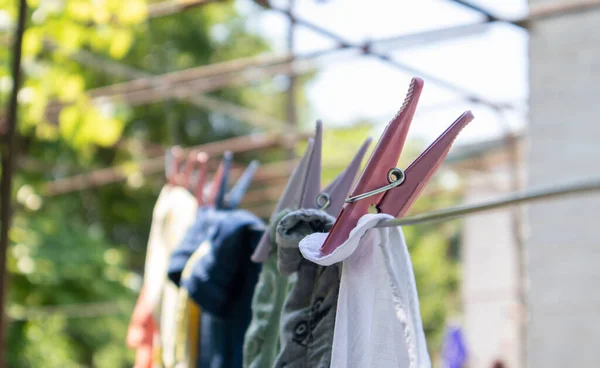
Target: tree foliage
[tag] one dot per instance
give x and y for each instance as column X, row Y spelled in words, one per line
column 87, row 248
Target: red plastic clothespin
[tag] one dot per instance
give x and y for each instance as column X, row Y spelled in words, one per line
column 202, row 159
column 173, row 169
column 382, row 184
column 216, row 184
column 188, row 168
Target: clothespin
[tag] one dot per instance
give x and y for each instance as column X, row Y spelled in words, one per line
column 202, row 159
column 220, row 179
column 292, row 195
column 236, row 194
column 303, row 188
column 335, row 193
column 331, row 198
column 188, row 168
column 390, row 189
column 173, row 158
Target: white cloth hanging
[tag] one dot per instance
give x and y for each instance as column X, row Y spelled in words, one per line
column 378, row 322
column 173, row 214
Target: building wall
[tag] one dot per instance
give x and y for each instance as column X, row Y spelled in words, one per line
column 563, row 248
column 490, row 304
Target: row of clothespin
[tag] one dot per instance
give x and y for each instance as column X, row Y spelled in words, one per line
column 381, row 184
column 388, row 188
column 191, row 173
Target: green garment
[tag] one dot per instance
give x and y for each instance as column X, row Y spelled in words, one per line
column 261, row 343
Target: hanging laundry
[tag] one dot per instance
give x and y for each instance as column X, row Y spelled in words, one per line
column 204, row 225
column 262, row 343
column 212, row 265
column 173, row 214
column 187, row 313
column 140, row 334
column 378, row 322
column 308, row 314
column 222, row 283
column 204, row 222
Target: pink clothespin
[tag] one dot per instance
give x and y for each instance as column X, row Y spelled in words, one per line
column 382, row 184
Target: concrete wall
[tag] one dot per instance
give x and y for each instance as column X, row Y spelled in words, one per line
column 563, row 247
column 490, row 304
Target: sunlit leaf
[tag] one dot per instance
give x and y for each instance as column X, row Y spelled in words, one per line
column 47, row 131
column 80, row 10
column 109, row 132
column 121, row 41
column 70, row 36
column 132, row 12
column 69, row 119
column 71, row 86
column 32, row 41
column 101, row 14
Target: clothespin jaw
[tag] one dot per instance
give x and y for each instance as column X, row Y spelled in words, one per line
column 188, row 167
column 312, row 179
column 217, row 180
column 236, row 194
column 222, row 184
column 173, row 161
column 332, row 197
column 202, row 159
column 293, row 193
column 381, row 177
column 397, row 201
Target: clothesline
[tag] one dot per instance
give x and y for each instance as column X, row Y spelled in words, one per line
column 525, row 196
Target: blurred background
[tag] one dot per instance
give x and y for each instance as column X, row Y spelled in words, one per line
column 108, row 86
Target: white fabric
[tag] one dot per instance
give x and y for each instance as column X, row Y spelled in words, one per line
column 378, row 322
column 173, row 214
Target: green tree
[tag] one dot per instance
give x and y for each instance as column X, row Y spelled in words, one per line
column 87, row 248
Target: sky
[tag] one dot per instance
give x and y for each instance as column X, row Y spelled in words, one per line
column 491, row 63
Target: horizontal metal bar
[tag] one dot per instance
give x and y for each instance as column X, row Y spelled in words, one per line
column 505, row 201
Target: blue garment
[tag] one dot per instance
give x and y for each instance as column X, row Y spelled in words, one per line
column 454, row 352
column 222, row 283
column 202, row 228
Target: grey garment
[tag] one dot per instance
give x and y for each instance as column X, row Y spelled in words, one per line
column 308, row 317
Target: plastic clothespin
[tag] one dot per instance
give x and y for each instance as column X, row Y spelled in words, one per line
column 188, row 167
column 331, row 198
column 202, row 160
column 173, row 158
column 382, row 184
column 213, row 190
column 220, row 179
column 293, row 194
column 303, row 189
column 236, row 194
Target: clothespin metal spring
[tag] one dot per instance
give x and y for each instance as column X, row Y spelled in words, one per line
column 395, row 177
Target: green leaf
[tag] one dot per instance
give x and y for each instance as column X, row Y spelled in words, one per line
column 33, row 41
column 69, row 119
column 71, row 86
column 108, row 132
column 121, row 42
column 80, row 10
column 132, row 12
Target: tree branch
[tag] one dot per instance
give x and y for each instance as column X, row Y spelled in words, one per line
column 8, row 156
